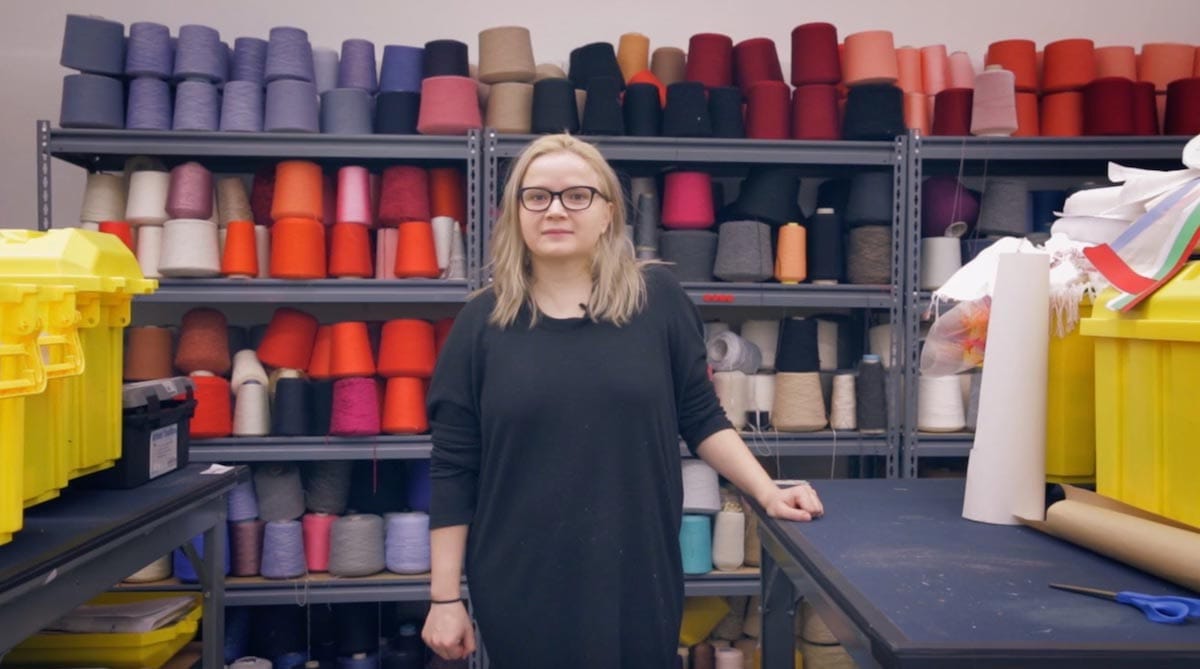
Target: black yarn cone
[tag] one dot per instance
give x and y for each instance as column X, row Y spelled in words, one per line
column 445, row 57
column 320, row 407
column 396, row 112
column 834, row 194
column 725, row 109
column 825, row 247
column 692, row 252
column 797, row 349
column 643, row 111
column 686, row 114
column 590, row 61
column 769, row 194
column 874, row 112
column 870, row 200
column 602, row 111
column 289, row 415
column 554, row 107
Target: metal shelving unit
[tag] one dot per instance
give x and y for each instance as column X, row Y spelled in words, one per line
column 328, row 291
column 1009, row 156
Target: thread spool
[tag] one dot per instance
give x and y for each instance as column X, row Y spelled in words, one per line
column 119, row 229
column 962, row 72
column 1061, row 114
column 1108, row 107
column 407, row 543
column 797, row 350
column 695, row 543
column 764, row 335
column 246, row 539
column 92, row 101
column 827, row 344
column 445, row 57
column 297, row 191
column 355, row 408
column 252, row 411
column 249, row 61
column 385, row 253
column 760, row 400
column 316, row 528
column 416, row 254
column 239, row 257
column 262, row 248
column 791, row 261
column 868, row 252
column 213, row 416
column 731, row 658
column 869, row 57
column 947, row 209
column 149, row 105
column 346, row 111
column 297, row 249
column 940, row 404
column 908, row 69
column 871, row 396
column 1183, row 107
column 291, row 106
column 768, row 111
column 725, row 112
column 288, row 339
column 350, row 251
column 1003, row 208
column 356, row 68
column 93, row 44
column 351, row 350
column 404, row 406
column 668, row 64
column 251, row 663
column 873, row 112
column 449, row 106
column 190, row 248
column 401, row 68
column 147, row 354
column 289, row 55
column 242, row 503
column 1027, row 115
column 815, row 112
column 356, row 545
column 147, row 201
column 701, row 492
column 728, row 352
column 952, row 111
column 1018, row 56
column 710, row 59
column 825, row 257
column 325, row 69
column 686, row 111
column 396, row 112
column 155, row 571
column 191, row 192
column 404, row 195
column 554, row 107
column 994, row 104
column 728, row 550
column 279, row 492
column 505, row 55
column 687, row 201
column 601, row 111
column 282, row 550
column 443, row 238
column 510, row 107
column 1164, row 62
column 941, row 257
column 292, row 399
column 815, row 57
column 418, row 485
column 1068, row 65
column 918, row 113
column 743, row 252
column 197, row 106
column 799, row 403
column 731, row 388
column 842, row 409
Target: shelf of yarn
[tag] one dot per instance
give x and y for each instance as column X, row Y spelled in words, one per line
column 107, row 149
column 321, row 291
column 713, row 150
column 1053, row 155
column 789, row 295
column 383, row 587
column 944, row 445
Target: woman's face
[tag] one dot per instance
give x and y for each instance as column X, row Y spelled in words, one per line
column 560, row 233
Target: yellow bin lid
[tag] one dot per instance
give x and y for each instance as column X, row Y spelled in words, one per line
column 85, row 260
column 1171, row 313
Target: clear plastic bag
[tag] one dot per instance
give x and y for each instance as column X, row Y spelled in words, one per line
column 957, row 339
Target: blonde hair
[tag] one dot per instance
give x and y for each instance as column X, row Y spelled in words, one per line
column 618, row 286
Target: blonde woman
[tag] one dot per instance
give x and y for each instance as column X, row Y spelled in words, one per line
column 556, row 410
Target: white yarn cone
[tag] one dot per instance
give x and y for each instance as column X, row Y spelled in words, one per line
column 190, row 248
column 155, row 571
column 385, row 253
column 443, row 238
column 940, row 404
column 843, row 407
column 149, row 249
column 147, row 201
column 732, row 391
column 457, row 268
column 701, row 491
column 729, row 545
column 262, row 247
column 764, row 335
column 247, row 368
column 252, row 411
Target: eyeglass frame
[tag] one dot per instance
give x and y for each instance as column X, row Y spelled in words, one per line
column 558, row 194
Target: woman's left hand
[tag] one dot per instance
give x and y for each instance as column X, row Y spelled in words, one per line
column 795, row 503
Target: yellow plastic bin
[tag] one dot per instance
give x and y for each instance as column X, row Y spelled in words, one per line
column 46, row 441
column 21, row 375
column 1147, row 379
column 1070, row 410
column 105, row 276
column 135, row 650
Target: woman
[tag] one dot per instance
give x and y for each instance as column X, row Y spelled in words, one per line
column 556, row 410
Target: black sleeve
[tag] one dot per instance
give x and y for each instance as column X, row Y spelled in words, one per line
column 453, row 405
column 699, row 411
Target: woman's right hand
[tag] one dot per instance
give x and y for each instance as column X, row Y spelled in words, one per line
column 449, row 631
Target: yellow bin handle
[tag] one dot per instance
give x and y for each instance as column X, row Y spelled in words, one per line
column 21, row 370
column 62, row 354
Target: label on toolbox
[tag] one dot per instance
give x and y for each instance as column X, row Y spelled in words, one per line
column 164, row 450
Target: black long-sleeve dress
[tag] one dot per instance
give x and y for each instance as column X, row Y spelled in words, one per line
column 559, row 446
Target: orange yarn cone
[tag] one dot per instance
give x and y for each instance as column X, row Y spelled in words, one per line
column 121, row 229
column 214, row 408
column 297, row 249
column 791, row 262
column 299, row 190
column 407, row 348
column 416, row 255
column 448, row 193
column 319, row 364
column 288, row 341
column 240, row 257
column 350, row 251
column 1062, row 114
column 351, row 350
column 404, row 406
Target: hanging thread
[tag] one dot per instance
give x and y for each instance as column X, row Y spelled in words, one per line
column 356, row 546
column 407, row 543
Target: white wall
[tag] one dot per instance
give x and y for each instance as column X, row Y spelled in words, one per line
column 31, row 37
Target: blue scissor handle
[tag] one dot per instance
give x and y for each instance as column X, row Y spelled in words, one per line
column 1162, row 609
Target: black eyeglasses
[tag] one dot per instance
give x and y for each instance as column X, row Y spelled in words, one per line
column 575, row 198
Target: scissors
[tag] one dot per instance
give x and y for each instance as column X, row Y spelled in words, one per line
column 1158, row 608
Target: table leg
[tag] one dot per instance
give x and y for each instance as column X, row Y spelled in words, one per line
column 778, row 616
column 214, row 592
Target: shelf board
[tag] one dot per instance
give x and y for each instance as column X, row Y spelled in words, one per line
column 374, row 291
column 736, row 151
column 779, row 295
column 107, row 149
column 418, row 447
column 1053, row 150
column 949, row 445
column 388, row 587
